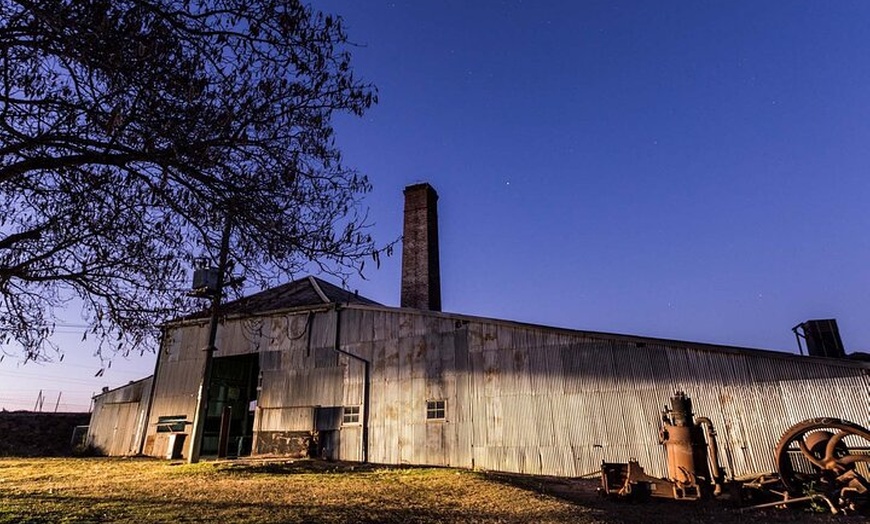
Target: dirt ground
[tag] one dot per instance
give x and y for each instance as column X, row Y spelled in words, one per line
column 585, row 493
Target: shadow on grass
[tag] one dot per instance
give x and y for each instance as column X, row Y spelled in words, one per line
column 280, row 466
column 45, row 508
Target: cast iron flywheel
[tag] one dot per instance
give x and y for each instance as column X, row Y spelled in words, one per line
column 813, row 453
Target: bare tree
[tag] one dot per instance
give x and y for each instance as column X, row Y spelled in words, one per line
column 129, row 131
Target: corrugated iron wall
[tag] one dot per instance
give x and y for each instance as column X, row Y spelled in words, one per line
column 518, row 398
column 544, row 401
column 178, row 374
column 118, row 419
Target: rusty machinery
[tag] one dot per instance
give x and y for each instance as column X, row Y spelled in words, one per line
column 817, row 461
column 693, row 465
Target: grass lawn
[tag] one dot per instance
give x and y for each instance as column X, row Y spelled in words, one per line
column 141, row 490
column 43, row 490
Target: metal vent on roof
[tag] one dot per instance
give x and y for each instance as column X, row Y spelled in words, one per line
column 822, row 338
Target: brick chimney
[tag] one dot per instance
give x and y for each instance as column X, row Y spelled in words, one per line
column 421, row 274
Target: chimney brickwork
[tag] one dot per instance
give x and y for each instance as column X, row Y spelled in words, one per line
column 421, row 274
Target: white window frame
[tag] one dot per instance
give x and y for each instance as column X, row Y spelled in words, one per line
column 434, row 407
column 356, row 413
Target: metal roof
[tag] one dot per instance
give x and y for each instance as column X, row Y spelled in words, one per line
column 312, row 292
column 854, row 359
column 305, row 292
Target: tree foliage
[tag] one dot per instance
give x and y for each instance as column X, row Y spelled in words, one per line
column 129, row 131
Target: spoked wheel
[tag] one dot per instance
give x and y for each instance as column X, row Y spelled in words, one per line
column 822, row 454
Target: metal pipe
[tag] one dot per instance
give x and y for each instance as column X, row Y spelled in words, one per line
column 798, row 337
column 366, row 383
column 809, row 498
column 712, row 452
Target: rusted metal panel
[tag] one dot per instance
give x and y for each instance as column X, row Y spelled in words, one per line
column 322, row 386
column 480, row 427
column 632, row 381
column 322, row 330
column 557, row 459
column 407, row 451
column 493, row 423
column 434, row 443
column 412, row 324
column 135, row 391
column 118, row 435
column 356, row 326
column 409, row 361
column 291, row 332
column 286, row 443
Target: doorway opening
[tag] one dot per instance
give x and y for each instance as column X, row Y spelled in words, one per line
column 229, row 423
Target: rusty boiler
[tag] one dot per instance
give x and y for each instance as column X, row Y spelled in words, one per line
column 692, row 457
column 691, row 449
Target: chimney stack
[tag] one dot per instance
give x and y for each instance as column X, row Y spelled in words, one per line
column 421, row 274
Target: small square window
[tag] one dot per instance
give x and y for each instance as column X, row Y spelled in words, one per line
column 350, row 415
column 436, row 410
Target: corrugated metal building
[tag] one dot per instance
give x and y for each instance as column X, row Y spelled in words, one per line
column 414, row 386
column 463, row 391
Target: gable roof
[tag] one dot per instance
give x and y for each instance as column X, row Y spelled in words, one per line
column 308, row 291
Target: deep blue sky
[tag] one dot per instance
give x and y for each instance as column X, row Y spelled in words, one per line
column 690, row 170
column 687, row 170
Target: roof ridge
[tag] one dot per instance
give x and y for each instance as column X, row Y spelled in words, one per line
column 305, row 291
column 313, row 280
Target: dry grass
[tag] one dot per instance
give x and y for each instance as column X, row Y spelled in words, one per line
column 118, row 490
column 142, row 490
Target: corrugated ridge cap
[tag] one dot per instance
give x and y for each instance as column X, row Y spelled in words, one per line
column 306, row 291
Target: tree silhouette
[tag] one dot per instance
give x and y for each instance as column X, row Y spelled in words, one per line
column 130, row 130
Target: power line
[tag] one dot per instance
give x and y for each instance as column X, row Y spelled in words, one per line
column 55, row 379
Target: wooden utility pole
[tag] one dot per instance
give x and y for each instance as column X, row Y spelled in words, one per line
column 202, row 396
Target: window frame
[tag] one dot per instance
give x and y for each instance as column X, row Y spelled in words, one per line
column 172, row 423
column 436, row 410
column 351, row 415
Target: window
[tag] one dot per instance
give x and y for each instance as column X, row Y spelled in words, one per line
column 350, row 415
column 436, row 410
column 171, row 424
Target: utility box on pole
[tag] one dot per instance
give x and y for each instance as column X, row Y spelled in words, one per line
column 205, row 281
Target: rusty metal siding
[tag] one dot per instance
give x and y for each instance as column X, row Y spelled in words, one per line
column 302, row 373
column 557, row 403
column 519, row 397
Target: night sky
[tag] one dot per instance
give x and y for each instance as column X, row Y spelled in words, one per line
column 684, row 170
column 689, row 170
